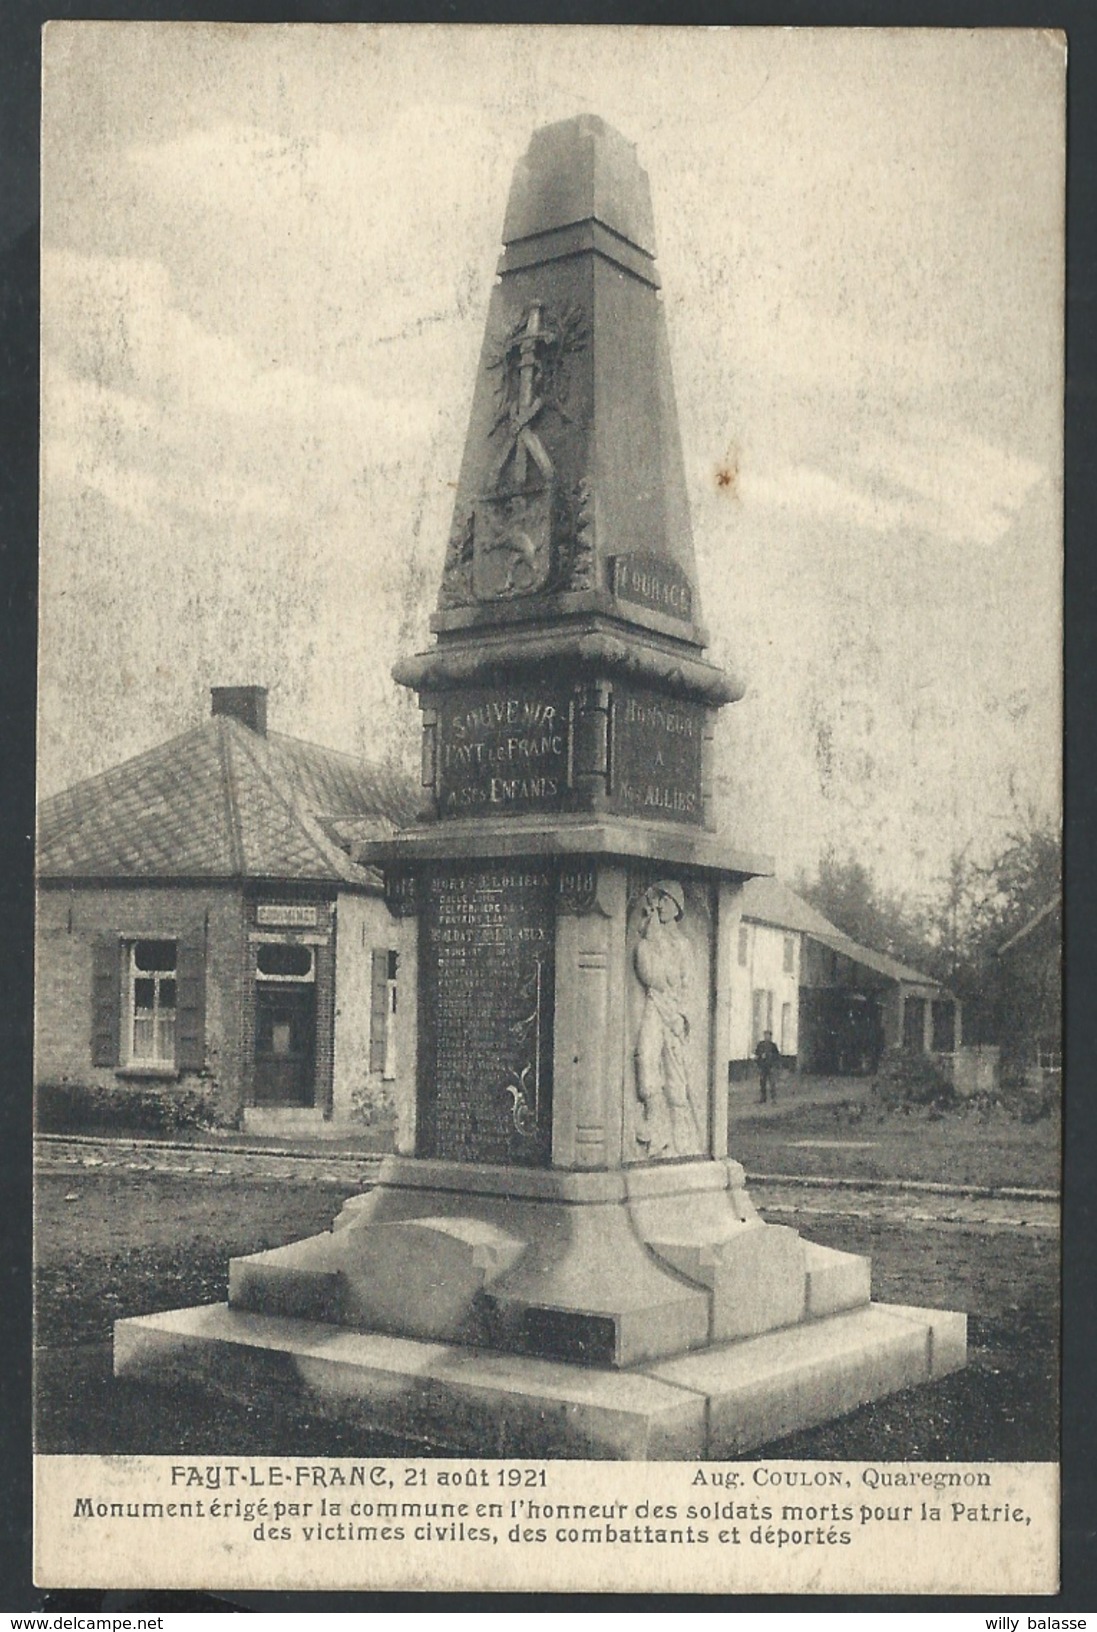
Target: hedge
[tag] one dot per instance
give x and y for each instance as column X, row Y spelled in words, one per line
column 73, row 1107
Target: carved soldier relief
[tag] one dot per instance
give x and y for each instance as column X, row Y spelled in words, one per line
column 669, row 958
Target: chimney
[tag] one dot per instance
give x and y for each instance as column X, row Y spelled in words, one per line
column 248, row 704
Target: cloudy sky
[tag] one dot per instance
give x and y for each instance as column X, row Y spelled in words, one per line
column 267, row 255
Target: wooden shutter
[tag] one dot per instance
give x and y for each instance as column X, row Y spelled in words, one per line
column 378, row 1008
column 106, row 1000
column 190, row 1004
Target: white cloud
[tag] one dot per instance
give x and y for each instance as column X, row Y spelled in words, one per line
column 965, row 489
column 816, row 493
column 934, row 479
column 145, row 407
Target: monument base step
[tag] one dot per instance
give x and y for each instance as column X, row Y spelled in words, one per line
column 720, row 1401
column 611, row 1268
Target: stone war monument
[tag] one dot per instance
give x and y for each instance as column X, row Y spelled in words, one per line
column 561, row 1259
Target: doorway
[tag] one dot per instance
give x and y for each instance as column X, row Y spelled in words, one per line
column 914, row 1024
column 285, row 1026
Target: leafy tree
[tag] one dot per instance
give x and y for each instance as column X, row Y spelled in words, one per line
column 955, row 934
column 1008, row 892
column 845, row 891
column 1025, row 875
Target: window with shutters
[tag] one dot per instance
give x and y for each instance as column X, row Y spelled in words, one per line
column 383, row 999
column 149, row 1003
column 152, row 988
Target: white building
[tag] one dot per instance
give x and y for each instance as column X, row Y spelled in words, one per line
column 832, row 1005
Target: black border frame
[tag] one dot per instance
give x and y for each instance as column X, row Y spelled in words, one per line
column 19, row 121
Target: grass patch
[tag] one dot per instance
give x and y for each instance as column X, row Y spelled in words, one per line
column 971, row 1144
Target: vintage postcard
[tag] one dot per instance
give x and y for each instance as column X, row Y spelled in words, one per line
column 548, row 1061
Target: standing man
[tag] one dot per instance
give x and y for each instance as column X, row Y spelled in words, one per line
column 768, row 1056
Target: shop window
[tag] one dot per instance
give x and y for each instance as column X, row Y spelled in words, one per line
column 152, row 988
column 790, row 954
column 383, row 999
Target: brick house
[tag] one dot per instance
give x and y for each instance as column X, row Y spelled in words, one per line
column 200, row 922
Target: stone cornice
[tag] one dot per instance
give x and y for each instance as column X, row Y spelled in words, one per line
column 587, row 651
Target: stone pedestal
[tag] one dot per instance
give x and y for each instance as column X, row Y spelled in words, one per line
column 554, row 1266
column 562, row 1258
column 605, row 1268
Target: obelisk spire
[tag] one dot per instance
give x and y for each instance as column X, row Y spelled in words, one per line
column 572, row 497
column 580, row 170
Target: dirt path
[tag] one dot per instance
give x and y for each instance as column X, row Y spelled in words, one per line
column 56, row 1154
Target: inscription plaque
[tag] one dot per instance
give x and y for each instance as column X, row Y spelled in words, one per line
column 503, row 751
column 487, row 941
column 657, row 756
column 649, row 580
column 285, row 915
column 401, row 892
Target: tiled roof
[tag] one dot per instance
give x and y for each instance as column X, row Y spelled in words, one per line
column 769, row 901
column 879, row 961
column 340, row 785
column 220, row 801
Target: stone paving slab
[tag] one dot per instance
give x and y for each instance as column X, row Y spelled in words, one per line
column 465, row 1398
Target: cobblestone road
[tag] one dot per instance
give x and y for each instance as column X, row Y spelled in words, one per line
column 927, row 1206
column 60, row 1155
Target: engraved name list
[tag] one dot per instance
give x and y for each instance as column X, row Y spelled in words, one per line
column 486, row 1001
